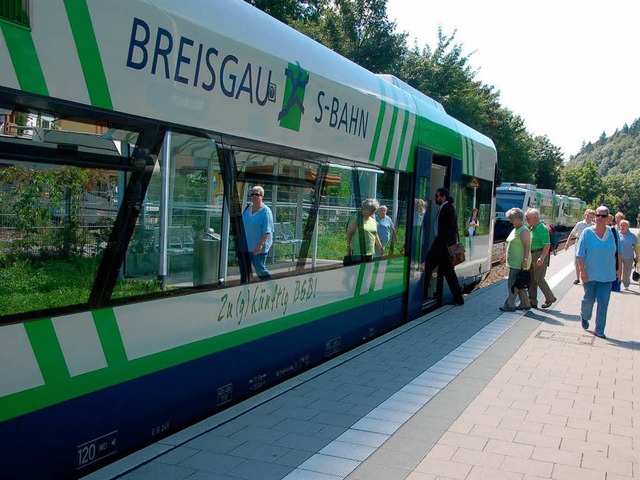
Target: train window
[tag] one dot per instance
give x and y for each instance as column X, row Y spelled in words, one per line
column 344, row 200
column 394, row 196
column 179, row 232
column 16, row 11
column 476, row 193
column 289, row 191
column 59, row 199
column 337, row 204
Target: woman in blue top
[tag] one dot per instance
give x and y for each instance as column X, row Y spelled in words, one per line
column 629, row 247
column 386, row 230
column 596, row 254
column 258, row 232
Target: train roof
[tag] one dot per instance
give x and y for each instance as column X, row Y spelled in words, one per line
column 228, row 67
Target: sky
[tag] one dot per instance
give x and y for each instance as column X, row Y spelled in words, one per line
column 570, row 69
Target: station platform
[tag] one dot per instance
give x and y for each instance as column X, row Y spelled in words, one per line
column 465, row 392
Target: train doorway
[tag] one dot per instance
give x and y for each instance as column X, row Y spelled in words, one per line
column 432, row 172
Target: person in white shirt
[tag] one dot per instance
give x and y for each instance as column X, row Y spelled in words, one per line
column 589, row 220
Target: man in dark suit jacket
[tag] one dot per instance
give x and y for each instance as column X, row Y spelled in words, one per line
column 446, row 234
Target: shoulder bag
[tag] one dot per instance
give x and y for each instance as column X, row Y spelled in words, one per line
column 523, row 280
column 456, row 252
column 616, row 284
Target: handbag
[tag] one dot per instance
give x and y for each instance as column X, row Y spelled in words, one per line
column 352, row 260
column 523, row 280
column 456, row 251
column 635, row 275
column 456, row 254
column 615, row 285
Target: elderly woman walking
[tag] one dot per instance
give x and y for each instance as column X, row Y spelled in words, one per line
column 630, row 253
column 517, row 257
column 598, row 254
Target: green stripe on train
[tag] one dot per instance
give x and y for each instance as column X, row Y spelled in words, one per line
column 24, row 58
column 440, row 138
column 391, row 135
column 60, row 387
column 46, row 348
column 376, row 137
column 88, row 52
column 405, row 126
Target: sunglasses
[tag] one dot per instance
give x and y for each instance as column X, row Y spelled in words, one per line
column 602, row 215
column 255, row 195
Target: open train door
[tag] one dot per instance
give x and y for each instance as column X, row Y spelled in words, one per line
column 419, row 238
column 432, row 172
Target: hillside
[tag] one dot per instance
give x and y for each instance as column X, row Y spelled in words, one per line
column 617, row 154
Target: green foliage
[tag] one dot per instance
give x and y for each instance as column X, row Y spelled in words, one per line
column 28, row 285
column 361, row 31
column 583, row 182
column 34, row 195
column 548, row 163
column 613, row 164
column 623, row 193
column 617, row 154
column 289, row 11
column 357, row 29
column 445, row 74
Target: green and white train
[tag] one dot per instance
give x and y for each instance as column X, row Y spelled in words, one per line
column 560, row 211
column 170, row 112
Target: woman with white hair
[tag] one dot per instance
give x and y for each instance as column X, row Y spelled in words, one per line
column 629, row 247
column 258, row 237
column 386, row 229
column 517, row 257
column 362, row 232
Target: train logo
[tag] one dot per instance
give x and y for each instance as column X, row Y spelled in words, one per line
column 293, row 100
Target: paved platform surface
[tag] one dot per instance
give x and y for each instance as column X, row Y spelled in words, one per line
column 462, row 393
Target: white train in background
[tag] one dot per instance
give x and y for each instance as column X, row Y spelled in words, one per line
column 560, row 211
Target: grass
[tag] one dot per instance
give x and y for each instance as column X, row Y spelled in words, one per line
column 28, row 285
column 32, row 284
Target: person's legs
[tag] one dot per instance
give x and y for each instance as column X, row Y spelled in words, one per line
column 510, row 302
column 450, row 275
column 430, row 264
column 586, row 307
column 533, row 285
column 549, row 297
column 260, row 264
column 603, row 293
column 627, row 268
column 523, row 295
column 244, row 261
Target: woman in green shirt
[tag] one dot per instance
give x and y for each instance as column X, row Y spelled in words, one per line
column 517, row 257
column 362, row 232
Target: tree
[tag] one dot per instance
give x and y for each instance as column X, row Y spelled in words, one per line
column 623, row 193
column 289, row 11
column 583, row 182
column 548, row 162
column 445, row 74
column 360, row 31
